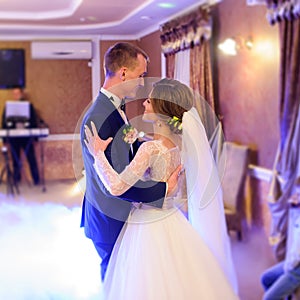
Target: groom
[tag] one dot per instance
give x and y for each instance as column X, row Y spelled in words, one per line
column 103, row 215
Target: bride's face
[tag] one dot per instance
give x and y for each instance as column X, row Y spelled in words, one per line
column 149, row 115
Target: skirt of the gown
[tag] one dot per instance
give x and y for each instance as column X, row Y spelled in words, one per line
column 163, row 258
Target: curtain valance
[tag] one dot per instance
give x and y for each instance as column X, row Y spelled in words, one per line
column 279, row 10
column 186, row 31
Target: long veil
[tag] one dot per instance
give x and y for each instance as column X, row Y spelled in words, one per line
column 205, row 200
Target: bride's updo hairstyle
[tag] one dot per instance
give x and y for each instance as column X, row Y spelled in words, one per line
column 170, row 99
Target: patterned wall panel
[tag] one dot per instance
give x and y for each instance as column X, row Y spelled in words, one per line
column 60, row 90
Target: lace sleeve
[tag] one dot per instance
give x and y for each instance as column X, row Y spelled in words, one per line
column 116, row 183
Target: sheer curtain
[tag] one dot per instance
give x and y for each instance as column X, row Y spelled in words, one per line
column 182, row 66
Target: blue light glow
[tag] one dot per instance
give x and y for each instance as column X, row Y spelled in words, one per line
column 166, row 5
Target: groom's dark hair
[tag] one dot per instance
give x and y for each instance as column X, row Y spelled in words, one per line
column 122, row 55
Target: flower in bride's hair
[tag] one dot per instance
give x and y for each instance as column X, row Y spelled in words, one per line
column 130, row 134
column 175, row 124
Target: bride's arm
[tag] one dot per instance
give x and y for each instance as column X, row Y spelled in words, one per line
column 116, row 183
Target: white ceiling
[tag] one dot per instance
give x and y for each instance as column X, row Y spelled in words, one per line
column 89, row 17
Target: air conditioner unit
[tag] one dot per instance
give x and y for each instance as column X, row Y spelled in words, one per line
column 61, row 50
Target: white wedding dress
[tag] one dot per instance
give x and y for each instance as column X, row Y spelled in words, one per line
column 159, row 255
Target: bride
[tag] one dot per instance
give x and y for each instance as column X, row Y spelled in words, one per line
column 159, row 254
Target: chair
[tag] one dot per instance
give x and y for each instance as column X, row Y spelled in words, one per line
column 233, row 170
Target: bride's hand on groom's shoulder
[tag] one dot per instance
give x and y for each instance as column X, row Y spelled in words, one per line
column 173, row 181
column 92, row 140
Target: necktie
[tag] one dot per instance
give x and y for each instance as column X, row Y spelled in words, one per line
column 121, row 109
column 122, row 105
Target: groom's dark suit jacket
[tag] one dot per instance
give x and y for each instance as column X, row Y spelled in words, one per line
column 103, row 215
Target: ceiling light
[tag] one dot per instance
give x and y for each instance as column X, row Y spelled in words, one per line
column 166, row 5
column 147, row 18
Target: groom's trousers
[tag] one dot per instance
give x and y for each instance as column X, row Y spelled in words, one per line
column 104, row 251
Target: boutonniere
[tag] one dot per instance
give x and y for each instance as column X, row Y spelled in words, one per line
column 130, row 134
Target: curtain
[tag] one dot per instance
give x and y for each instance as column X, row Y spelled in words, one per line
column 185, row 44
column 170, row 65
column 186, row 31
column 182, row 63
column 287, row 162
column 183, row 33
column 201, row 81
column 279, row 10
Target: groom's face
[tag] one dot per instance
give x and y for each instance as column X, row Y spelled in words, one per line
column 134, row 78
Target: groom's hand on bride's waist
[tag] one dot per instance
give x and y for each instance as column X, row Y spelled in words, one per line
column 172, row 182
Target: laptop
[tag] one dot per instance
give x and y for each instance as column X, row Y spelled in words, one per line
column 17, row 109
column 17, row 114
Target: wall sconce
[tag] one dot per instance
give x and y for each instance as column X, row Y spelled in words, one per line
column 231, row 46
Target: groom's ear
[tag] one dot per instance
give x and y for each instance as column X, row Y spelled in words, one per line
column 123, row 73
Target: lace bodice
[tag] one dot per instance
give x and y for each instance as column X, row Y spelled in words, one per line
column 152, row 161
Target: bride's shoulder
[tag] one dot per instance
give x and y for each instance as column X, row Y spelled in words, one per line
column 150, row 146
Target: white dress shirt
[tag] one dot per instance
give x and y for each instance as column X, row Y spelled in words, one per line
column 116, row 101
